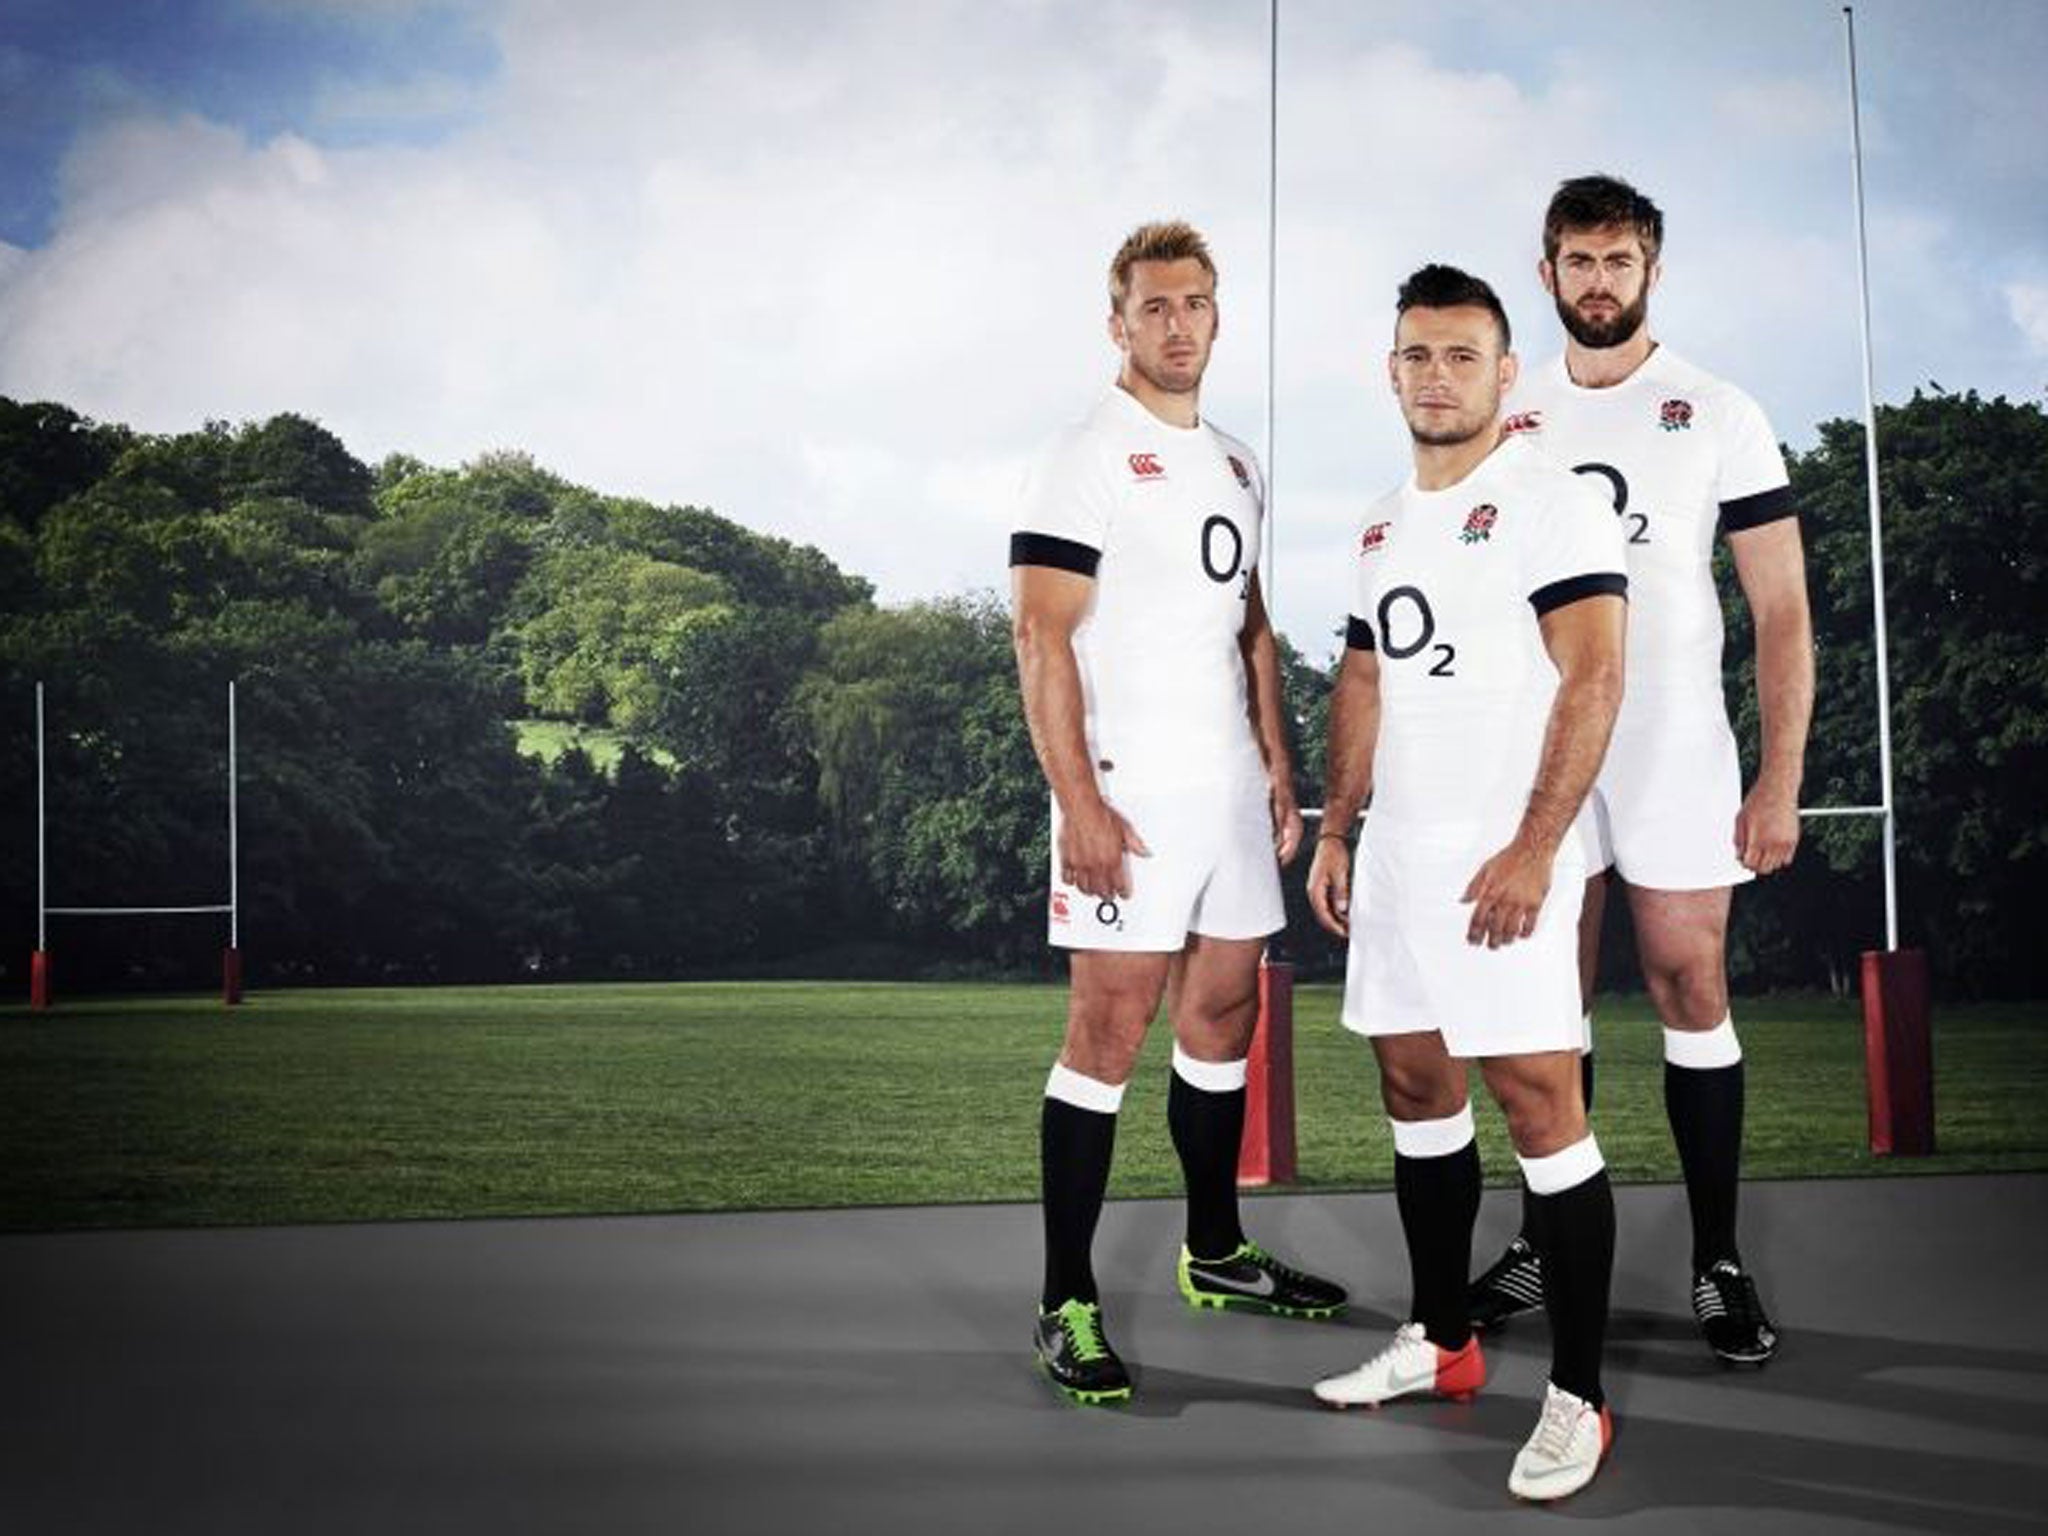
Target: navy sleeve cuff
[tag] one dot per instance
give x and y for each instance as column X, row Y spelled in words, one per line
column 1049, row 550
column 1755, row 511
column 1572, row 588
column 1357, row 634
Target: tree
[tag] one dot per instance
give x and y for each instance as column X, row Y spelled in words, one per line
column 1964, row 488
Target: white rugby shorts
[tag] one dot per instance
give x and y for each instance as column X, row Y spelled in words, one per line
column 1411, row 969
column 1211, row 871
column 1662, row 812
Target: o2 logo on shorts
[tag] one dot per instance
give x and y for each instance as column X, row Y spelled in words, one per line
column 1109, row 914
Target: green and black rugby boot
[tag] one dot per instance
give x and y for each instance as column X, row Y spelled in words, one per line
column 1251, row 1279
column 1077, row 1357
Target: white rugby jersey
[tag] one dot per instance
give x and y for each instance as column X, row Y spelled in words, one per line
column 1167, row 521
column 1450, row 587
column 1674, row 450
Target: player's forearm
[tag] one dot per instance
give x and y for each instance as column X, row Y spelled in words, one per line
column 1353, row 736
column 1050, row 680
column 1574, row 742
column 1268, row 709
column 1784, row 698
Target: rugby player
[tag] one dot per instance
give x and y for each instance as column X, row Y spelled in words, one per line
column 1151, row 685
column 1677, row 452
column 1480, row 680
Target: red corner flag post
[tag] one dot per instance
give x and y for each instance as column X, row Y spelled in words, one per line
column 1266, row 1154
column 1898, row 1051
column 39, row 979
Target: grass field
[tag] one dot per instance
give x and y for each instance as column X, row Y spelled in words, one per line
column 345, row 1105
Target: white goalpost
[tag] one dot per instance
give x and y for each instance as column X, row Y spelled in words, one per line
column 231, row 956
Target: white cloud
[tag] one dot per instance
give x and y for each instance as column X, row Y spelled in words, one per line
column 2028, row 304
column 835, row 271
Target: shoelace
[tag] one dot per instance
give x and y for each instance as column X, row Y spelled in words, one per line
column 1730, row 1296
column 1271, row 1265
column 1405, row 1337
column 1553, row 1436
column 1085, row 1331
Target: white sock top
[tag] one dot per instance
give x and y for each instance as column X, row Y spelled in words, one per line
column 1209, row 1076
column 1082, row 1091
column 1560, row 1171
column 1434, row 1138
column 1703, row 1049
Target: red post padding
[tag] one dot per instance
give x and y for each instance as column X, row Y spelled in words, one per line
column 39, row 979
column 1898, row 1050
column 231, row 976
column 1266, row 1154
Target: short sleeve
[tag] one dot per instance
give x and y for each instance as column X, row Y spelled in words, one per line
column 1064, row 513
column 1577, row 551
column 1752, row 487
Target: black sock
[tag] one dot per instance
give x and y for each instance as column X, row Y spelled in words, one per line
column 1586, row 1089
column 1074, row 1147
column 1207, row 1128
column 1705, row 1106
column 1574, row 1233
column 1438, row 1198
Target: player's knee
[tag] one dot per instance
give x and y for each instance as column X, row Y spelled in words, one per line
column 1411, row 1093
column 1690, row 993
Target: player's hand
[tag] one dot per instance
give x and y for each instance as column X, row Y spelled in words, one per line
column 1507, row 894
column 1329, row 885
column 1286, row 820
column 1767, row 830
column 1093, row 841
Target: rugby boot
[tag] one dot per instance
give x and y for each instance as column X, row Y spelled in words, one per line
column 1731, row 1316
column 1411, row 1366
column 1071, row 1347
column 1251, row 1279
column 1513, row 1285
column 1565, row 1451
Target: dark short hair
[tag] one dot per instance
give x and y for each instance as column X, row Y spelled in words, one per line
column 1602, row 202
column 1437, row 286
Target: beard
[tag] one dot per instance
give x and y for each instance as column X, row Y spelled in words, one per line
column 1601, row 334
column 1185, row 381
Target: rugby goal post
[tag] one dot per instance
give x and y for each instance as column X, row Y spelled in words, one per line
column 231, row 956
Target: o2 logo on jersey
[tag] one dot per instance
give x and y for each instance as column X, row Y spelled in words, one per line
column 1675, row 415
column 1146, row 466
column 1617, row 493
column 1400, row 600
column 1479, row 523
column 1109, row 914
column 1223, row 554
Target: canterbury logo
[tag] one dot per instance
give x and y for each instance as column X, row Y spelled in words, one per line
column 1374, row 537
column 1522, row 421
column 1146, row 466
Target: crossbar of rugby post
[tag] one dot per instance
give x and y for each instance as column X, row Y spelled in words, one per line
column 231, row 958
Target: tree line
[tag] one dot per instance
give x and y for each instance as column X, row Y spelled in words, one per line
column 778, row 775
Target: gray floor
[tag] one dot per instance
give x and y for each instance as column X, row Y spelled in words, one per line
column 868, row 1371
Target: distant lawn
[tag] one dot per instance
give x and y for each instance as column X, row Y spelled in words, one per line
column 341, row 1105
column 549, row 739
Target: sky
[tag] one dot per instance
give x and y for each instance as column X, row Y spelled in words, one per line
column 835, row 268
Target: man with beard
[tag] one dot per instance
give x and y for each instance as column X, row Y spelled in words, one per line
column 1151, row 684
column 1676, row 450
column 1481, row 676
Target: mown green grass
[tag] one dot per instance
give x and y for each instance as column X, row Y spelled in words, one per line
column 434, row 1102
